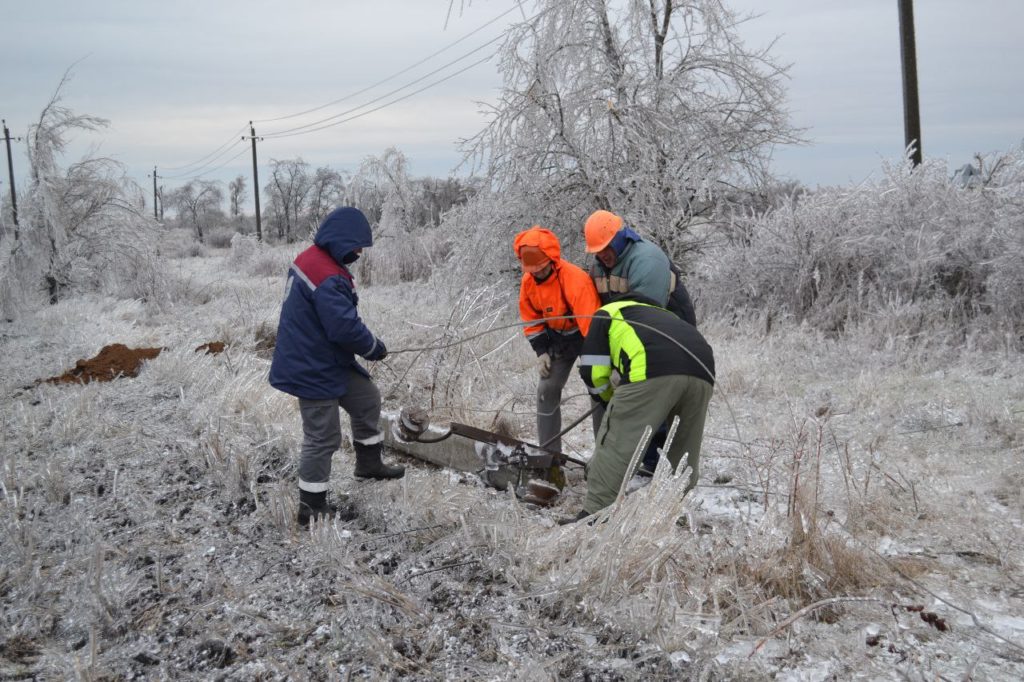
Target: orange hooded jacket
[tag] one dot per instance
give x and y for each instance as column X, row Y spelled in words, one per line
column 567, row 291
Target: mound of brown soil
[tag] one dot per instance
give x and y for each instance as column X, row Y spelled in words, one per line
column 211, row 348
column 113, row 361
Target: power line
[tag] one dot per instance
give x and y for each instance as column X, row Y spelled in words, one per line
column 233, row 138
column 284, row 133
column 211, row 170
column 396, row 74
column 244, row 150
column 323, row 123
column 385, row 105
column 194, row 173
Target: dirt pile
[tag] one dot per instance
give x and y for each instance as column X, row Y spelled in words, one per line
column 118, row 360
column 113, row 361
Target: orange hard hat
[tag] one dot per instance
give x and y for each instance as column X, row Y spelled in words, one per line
column 533, row 259
column 599, row 229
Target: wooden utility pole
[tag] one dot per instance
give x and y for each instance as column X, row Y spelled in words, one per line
column 911, row 108
column 155, row 176
column 10, row 175
column 255, row 182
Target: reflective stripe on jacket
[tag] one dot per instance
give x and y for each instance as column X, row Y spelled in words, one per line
column 641, row 341
column 642, row 268
column 320, row 331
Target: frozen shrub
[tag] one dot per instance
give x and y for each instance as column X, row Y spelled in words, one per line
column 192, row 249
column 911, row 251
column 258, row 259
column 243, row 248
column 406, row 257
column 220, row 237
column 480, row 234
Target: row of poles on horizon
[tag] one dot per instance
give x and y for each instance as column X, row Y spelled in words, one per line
column 255, row 183
column 911, row 121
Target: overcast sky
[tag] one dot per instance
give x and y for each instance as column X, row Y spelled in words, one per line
column 179, row 80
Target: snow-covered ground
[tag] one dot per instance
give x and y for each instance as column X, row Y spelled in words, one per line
column 860, row 511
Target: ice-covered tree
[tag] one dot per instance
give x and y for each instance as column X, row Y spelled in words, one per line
column 83, row 224
column 197, row 202
column 236, row 195
column 288, row 191
column 650, row 108
column 327, row 187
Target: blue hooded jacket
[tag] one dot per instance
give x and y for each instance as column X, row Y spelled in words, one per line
column 319, row 332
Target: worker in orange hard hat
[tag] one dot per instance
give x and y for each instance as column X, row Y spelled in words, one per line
column 556, row 301
column 627, row 264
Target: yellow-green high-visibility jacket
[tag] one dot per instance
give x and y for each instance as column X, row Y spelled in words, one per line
column 641, row 341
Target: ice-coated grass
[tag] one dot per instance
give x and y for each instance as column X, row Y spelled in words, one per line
column 148, row 523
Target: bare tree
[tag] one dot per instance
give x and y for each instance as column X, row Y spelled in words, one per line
column 647, row 108
column 196, row 202
column 438, row 196
column 236, row 195
column 289, row 186
column 326, row 191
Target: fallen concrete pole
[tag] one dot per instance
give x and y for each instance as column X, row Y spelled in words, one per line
column 451, row 453
column 455, row 452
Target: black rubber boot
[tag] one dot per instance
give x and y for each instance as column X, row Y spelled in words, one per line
column 370, row 465
column 314, row 506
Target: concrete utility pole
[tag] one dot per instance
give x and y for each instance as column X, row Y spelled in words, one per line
column 255, row 181
column 155, row 176
column 908, row 55
column 10, row 175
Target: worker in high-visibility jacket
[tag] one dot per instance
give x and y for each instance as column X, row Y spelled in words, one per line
column 663, row 368
column 556, row 301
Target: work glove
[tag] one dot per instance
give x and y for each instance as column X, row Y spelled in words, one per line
column 378, row 352
column 544, row 365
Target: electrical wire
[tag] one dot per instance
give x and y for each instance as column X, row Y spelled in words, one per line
column 217, row 168
column 515, row 325
column 216, row 151
column 197, row 172
column 324, row 123
column 284, row 133
column 383, row 106
column 394, row 75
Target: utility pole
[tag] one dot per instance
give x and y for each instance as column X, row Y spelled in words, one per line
column 155, row 176
column 908, row 55
column 10, row 175
column 255, row 181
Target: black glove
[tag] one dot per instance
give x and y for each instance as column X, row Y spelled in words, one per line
column 378, row 352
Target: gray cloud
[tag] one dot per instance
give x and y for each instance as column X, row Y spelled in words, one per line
column 179, row 79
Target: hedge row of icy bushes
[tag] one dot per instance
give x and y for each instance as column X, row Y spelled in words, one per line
column 909, row 254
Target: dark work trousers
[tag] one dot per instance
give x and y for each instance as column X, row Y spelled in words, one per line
column 321, row 429
column 633, row 407
column 549, row 403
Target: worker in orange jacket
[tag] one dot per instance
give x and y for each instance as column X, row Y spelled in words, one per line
column 552, row 289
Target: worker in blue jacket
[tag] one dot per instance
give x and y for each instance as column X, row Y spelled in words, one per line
column 319, row 336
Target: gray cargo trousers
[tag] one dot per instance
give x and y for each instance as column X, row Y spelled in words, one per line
column 549, row 403
column 321, row 429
